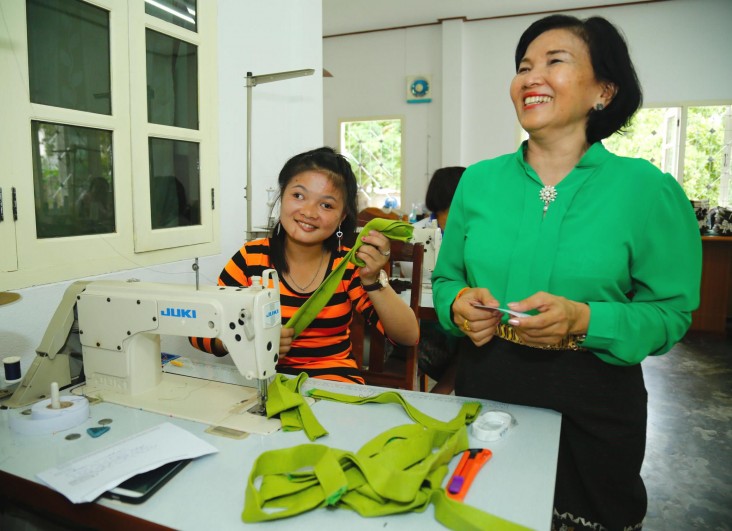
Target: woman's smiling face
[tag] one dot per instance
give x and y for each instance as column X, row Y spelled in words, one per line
column 555, row 86
column 312, row 208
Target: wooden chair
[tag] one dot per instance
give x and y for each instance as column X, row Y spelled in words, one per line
column 400, row 369
column 363, row 217
column 369, row 213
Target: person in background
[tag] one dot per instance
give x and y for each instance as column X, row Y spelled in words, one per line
column 318, row 206
column 438, row 349
column 440, row 191
column 602, row 252
column 96, row 203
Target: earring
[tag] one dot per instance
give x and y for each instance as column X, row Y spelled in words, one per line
column 599, row 106
column 279, row 228
column 339, row 235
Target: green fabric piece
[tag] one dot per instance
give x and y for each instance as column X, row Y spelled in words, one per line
column 468, row 412
column 394, row 230
column 456, row 515
column 400, row 470
column 284, row 399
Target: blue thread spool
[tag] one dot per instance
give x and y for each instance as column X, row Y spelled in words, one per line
column 12, row 368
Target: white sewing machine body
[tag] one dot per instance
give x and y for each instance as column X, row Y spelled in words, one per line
column 431, row 238
column 115, row 328
column 120, row 324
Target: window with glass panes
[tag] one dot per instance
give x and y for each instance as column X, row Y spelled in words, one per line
column 690, row 142
column 108, row 106
column 374, row 149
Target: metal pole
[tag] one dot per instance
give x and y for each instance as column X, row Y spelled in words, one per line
column 248, row 189
column 253, row 81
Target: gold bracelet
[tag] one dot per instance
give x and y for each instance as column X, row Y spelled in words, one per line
column 571, row 342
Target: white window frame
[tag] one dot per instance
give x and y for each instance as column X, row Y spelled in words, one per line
column 205, row 136
column 673, row 156
column 673, row 149
column 402, row 120
column 26, row 260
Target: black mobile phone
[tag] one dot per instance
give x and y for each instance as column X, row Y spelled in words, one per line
column 139, row 488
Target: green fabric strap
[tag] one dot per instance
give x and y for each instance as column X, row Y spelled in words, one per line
column 460, row 517
column 468, row 412
column 400, row 470
column 394, row 230
column 284, row 399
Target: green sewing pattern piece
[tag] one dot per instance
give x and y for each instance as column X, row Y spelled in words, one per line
column 394, row 230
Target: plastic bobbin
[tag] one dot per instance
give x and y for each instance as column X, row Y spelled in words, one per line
column 492, row 425
column 44, row 419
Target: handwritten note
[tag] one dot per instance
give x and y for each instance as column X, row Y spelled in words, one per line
column 85, row 478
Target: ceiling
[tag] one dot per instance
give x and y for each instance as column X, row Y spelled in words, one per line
column 348, row 16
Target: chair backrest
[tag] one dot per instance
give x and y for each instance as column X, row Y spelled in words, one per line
column 363, row 217
column 391, row 365
column 369, row 213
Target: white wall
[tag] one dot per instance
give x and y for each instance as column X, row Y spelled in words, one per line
column 680, row 48
column 369, row 80
column 261, row 37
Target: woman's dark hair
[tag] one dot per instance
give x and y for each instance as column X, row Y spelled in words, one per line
column 442, row 188
column 336, row 168
column 610, row 61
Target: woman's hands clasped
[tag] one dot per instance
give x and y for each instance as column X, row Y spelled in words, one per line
column 375, row 254
column 558, row 317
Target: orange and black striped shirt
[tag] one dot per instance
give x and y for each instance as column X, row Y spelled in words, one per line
column 323, row 349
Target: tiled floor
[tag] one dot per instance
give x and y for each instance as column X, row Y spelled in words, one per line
column 688, row 465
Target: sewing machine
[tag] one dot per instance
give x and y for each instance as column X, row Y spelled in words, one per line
column 119, row 325
column 432, row 239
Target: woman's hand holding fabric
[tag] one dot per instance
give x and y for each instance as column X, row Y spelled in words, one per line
column 286, row 336
column 476, row 323
column 558, row 317
column 375, row 253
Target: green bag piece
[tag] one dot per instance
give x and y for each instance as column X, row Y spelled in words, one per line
column 400, row 470
column 394, row 230
column 284, row 399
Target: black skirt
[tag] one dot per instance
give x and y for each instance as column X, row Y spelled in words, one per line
column 603, row 435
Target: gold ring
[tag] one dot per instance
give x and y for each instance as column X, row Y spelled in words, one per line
column 466, row 325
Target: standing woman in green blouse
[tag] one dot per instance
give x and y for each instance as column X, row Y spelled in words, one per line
column 603, row 253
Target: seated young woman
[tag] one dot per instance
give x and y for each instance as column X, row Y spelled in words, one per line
column 317, row 207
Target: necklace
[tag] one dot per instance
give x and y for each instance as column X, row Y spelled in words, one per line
column 547, row 195
column 306, row 286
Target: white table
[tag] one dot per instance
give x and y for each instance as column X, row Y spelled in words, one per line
column 518, row 482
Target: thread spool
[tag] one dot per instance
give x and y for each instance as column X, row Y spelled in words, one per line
column 11, row 364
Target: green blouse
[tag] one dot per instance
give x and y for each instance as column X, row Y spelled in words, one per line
column 621, row 236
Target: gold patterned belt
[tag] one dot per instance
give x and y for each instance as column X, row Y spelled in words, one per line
column 507, row 332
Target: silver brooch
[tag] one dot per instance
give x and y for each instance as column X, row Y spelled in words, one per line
column 547, row 195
